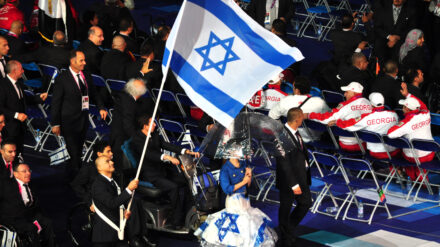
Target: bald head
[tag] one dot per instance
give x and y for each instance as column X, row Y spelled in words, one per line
column 105, row 166
column 59, row 38
column 14, row 69
column 17, row 27
column 119, row 43
column 96, row 35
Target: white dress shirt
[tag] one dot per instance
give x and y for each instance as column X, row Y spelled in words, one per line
column 24, row 195
column 117, row 186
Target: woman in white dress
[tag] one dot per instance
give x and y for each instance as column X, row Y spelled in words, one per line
column 238, row 224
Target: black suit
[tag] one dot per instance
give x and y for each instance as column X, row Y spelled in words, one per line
column 291, row 170
column 124, row 124
column 16, row 45
column 82, row 184
column 66, row 111
column 107, row 200
column 93, row 56
column 162, row 175
column 153, row 79
column 415, row 59
column 352, row 73
column 10, row 103
column 20, row 216
column 50, row 55
column 5, row 173
column 389, row 88
column 257, row 10
column 384, row 26
column 132, row 46
column 4, row 67
column 344, row 44
column 113, row 64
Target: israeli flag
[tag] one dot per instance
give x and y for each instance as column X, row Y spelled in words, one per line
column 221, row 56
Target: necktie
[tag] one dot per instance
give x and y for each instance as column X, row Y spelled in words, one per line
column 4, row 66
column 81, row 85
column 9, row 166
column 396, row 12
column 298, row 137
column 29, row 195
column 20, row 96
column 116, row 187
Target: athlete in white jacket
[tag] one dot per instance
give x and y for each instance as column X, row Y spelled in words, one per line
column 416, row 124
column 354, row 106
column 378, row 121
column 306, row 102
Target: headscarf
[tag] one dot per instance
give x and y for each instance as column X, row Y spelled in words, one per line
column 410, row 43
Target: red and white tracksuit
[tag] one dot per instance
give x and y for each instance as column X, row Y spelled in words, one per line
column 416, row 124
column 352, row 108
column 8, row 14
column 378, row 121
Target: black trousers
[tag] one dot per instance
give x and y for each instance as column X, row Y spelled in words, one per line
column 74, row 144
column 176, row 186
column 26, row 226
column 136, row 223
column 288, row 220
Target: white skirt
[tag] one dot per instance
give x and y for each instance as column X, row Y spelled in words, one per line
column 238, row 224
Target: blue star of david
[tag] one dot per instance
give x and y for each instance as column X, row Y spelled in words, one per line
column 232, row 226
column 214, row 41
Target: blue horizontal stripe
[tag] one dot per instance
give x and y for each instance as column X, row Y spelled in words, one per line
column 254, row 41
column 203, row 87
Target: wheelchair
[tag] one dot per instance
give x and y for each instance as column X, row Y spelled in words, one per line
column 154, row 200
column 9, row 237
column 79, row 224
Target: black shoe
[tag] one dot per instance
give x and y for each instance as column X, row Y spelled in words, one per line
column 148, row 242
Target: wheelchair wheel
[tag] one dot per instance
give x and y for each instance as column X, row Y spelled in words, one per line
column 192, row 220
column 79, row 225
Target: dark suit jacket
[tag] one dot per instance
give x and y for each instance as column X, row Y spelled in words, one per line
column 125, row 118
column 344, row 44
column 414, row 59
column 291, row 169
column 153, row 78
column 12, row 205
column 50, row 55
column 389, row 88
column 131, row 44
column 354, row 74
column 82, row 183
column 93, row 56
column 16, row 46
column 153, row 166
column 4, row 69
column 113, row 64
column 257, row 10
column 384, row 23
column 106, row 199
column 10, row 104
column 5, row 174
column 66, row 102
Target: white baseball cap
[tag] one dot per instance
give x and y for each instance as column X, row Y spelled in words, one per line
column 410, row 102
column 376, row 99
column 353, row 86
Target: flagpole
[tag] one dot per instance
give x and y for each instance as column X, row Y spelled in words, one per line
column 156, row 106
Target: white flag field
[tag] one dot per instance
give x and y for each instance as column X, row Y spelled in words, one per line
column 221, row 56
